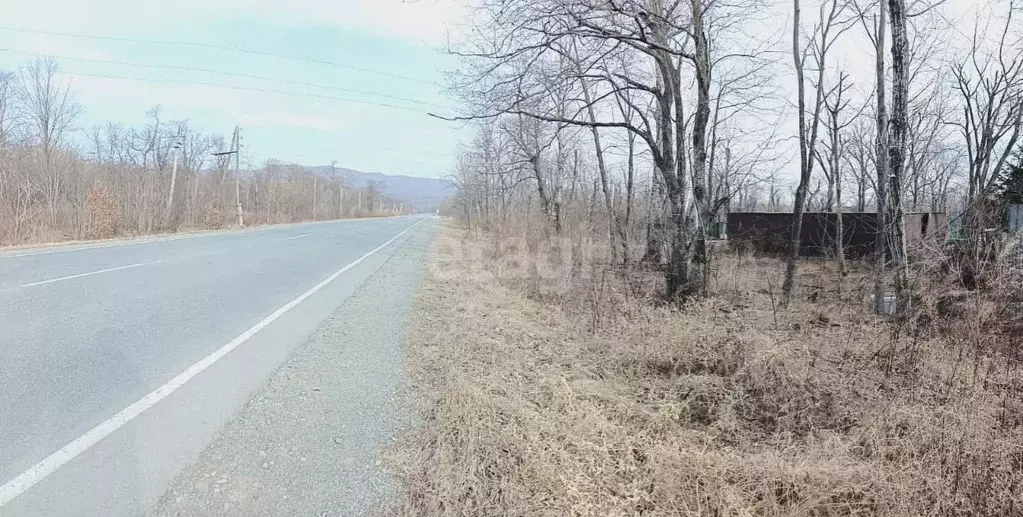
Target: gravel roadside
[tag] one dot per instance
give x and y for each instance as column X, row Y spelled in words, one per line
column 307, row 442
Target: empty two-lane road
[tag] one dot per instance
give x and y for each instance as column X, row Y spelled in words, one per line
column 120, row 361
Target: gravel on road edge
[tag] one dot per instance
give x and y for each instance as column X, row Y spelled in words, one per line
column 307, row 443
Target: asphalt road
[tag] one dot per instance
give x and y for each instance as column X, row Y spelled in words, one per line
column 122, row 361
column 309, row 442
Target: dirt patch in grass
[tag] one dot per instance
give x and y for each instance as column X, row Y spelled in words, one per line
column 581, row 396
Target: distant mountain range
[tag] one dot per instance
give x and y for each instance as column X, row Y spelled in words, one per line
column 425, row 193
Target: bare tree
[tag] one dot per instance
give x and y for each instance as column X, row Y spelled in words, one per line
column 9, row 185
column 7, row 97
column 823, row 37
column 49, row 111
column 835, row 102
column 337, row 181
column 633, row 53
column 859, row 156
column 118, row 179
column 876, row 28
column 990, row 84
column 928, row 102
column 614, row 229
column 374, row 195
column 47, row 105
column 533, row 137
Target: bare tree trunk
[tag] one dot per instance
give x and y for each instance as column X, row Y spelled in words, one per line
column 805, row 157
column 623, row 225
column 839, row 226
column 897, row 139
column 655, row 221
column 836, row 179
column 834, row 104
column 541, row 188
column 556, row 205
column 678, row 273
column 681, row 281
column 881, row 159
column 861, row 196
column 602, row 170
column 807, row 131
column 701, row 179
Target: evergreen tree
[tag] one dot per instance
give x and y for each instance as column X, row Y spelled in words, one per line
column 1011, row 186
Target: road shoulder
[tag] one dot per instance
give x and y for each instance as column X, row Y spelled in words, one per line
column 306, row 443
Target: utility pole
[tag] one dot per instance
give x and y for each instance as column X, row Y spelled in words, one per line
column 174, row 179
column 339, row 185
column 236, row 145
column 237, row 175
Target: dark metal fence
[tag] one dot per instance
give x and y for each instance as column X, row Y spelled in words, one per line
column 769, row 232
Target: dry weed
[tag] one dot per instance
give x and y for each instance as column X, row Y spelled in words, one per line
column 102, row 213
column 575, row 395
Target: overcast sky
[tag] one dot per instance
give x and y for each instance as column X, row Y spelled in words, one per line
column 392, row 50
column 403, row 41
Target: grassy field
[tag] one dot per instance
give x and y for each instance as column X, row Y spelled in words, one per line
column 549, row 387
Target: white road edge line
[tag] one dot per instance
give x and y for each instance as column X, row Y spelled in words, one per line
column 80, row 275
column 297, row 237
column 41, row 470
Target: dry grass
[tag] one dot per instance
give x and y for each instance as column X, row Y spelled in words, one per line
column 576, row 395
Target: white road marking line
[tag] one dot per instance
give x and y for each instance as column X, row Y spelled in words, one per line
column 80, row 275
column 297, row 237
column 51, row 463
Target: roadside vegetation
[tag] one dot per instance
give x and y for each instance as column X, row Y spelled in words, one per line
column 60, row 181
column 591, row 343
column 552, row 388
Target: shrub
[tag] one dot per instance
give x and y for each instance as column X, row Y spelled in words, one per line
column 103, row 214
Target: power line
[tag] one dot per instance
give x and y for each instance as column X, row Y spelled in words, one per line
column 248, row 88
column 221, row 72
column 218, row 47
